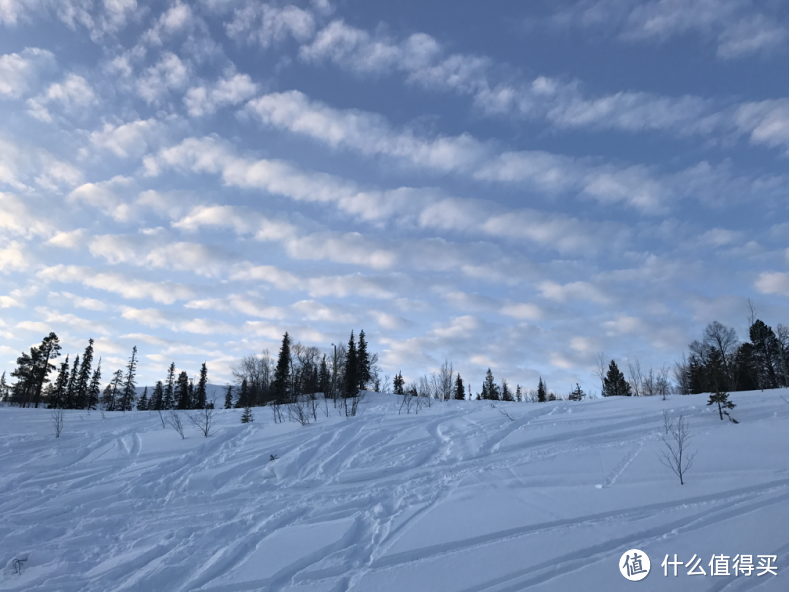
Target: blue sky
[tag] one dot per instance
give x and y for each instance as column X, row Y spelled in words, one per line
column 503, row 184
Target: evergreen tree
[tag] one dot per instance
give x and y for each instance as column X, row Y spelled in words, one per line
column 94, row 389
column 48, row 350
column 4, row 389
column 518, row 393
column 142, row 404
column 766, row 350
column 506, row 394
column 200, row 392
column 351, row 370
column 83, row 381
column 115, row 388
column 229, row 397
column 243, row 395
column 71, row 388
column 460, row 389
column 168, row 402
column 129, row 384
column 281, row 387
column 157, row 399
column 542, row 392
column 577, row 393
column 399, row 383
column 247, row 416
column 615, row 384
column 182, row 391
column 362, row 362
column 722, row 400
column 59, row 393
column 324, row 377
column 490, row 390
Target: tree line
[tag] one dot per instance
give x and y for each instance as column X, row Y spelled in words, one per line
column 718, row 362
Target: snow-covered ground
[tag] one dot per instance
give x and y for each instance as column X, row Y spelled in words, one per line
column 457, row 498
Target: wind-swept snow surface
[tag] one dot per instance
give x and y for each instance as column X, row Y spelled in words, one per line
column 456, row 498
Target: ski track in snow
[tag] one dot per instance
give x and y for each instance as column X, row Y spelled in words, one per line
column 364, row 503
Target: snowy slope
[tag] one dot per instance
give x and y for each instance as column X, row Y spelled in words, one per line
column 457, row 498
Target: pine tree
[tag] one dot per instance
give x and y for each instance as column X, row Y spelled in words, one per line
column 542, row 392
column 48, row 350
column 142, row 404
column 200, row 392
column 247, row 417
column 577, row 393
column 399, row 383
column 615, row 384
column 61, row 384
column 243, row 394
column 157, row 399
column 324, row 377
column 168, row 402
column 518, row 393
column 83, row 381
column 129, row 384
column 182, row 391
column 70, row 399
column 4, row 388
column 362, row 362
column 490, row 391
column 351, row 370
column 229, row 397
column 460, row 389
column 722, row 400
column 506, row 394
column 111, row 401
column 281, row 387
column 94, row 389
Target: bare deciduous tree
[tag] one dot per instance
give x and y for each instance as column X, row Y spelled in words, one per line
column 57, row 421
column 636, row 377
column 677, row 457
column 600, row 369
column 175, row 422
column 444, row 382
column 203, row 419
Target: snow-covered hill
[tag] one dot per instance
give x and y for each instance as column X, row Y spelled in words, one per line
column 456, row 498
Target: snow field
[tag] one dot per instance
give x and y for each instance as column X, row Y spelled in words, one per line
column 457, row 498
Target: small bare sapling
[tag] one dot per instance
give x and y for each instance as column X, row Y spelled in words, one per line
column 175, row 422
column 57, row 421
column 676, row 456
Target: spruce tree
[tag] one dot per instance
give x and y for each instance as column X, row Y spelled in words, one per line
column 200, row 391
column 362, row 362
column 324, row 377
column 3, row 389
column 70, row 399
column 229, row 397
column 577, row 393
column 247, row 416
column 129, row 384
column 115, row 390
column 48, row 350
column 490, row 390
column 506, row 393
column 157, row 399
column 142, row 404
column 460, row 389
column 615, row 384
column 281, row 387
column 542, row 392
column 94, row 389
column 243, row 395
column 61, row 384
column 351, row 370
column 518, row 393
column 83, row 381
column 168, row 402
column 722, row 400
column 399, row 383
column 182, row 391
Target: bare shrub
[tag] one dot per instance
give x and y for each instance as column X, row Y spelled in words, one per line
column 57, row 421
column 299, row 411
column 203, row 419
column 175, row 422
column 676, row 456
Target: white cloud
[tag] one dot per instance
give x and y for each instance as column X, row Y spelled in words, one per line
column 573, row 291
column 128, row 139
column 72, row 239
column 165, row 292
column 13, row 258
column 178, row 17
column 106, row 196
column 240, row 220
column 231, row 89
column 19, row 71
column 168, row 74
column 73, row 95
column 773, row 283
column 8, row 302
column 766, row 122
column 523, row 310
column 237, row 303
column 16, row 218
column 79, row 301
column 268, row 25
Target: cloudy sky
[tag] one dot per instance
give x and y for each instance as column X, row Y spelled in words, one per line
column 501, row 184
